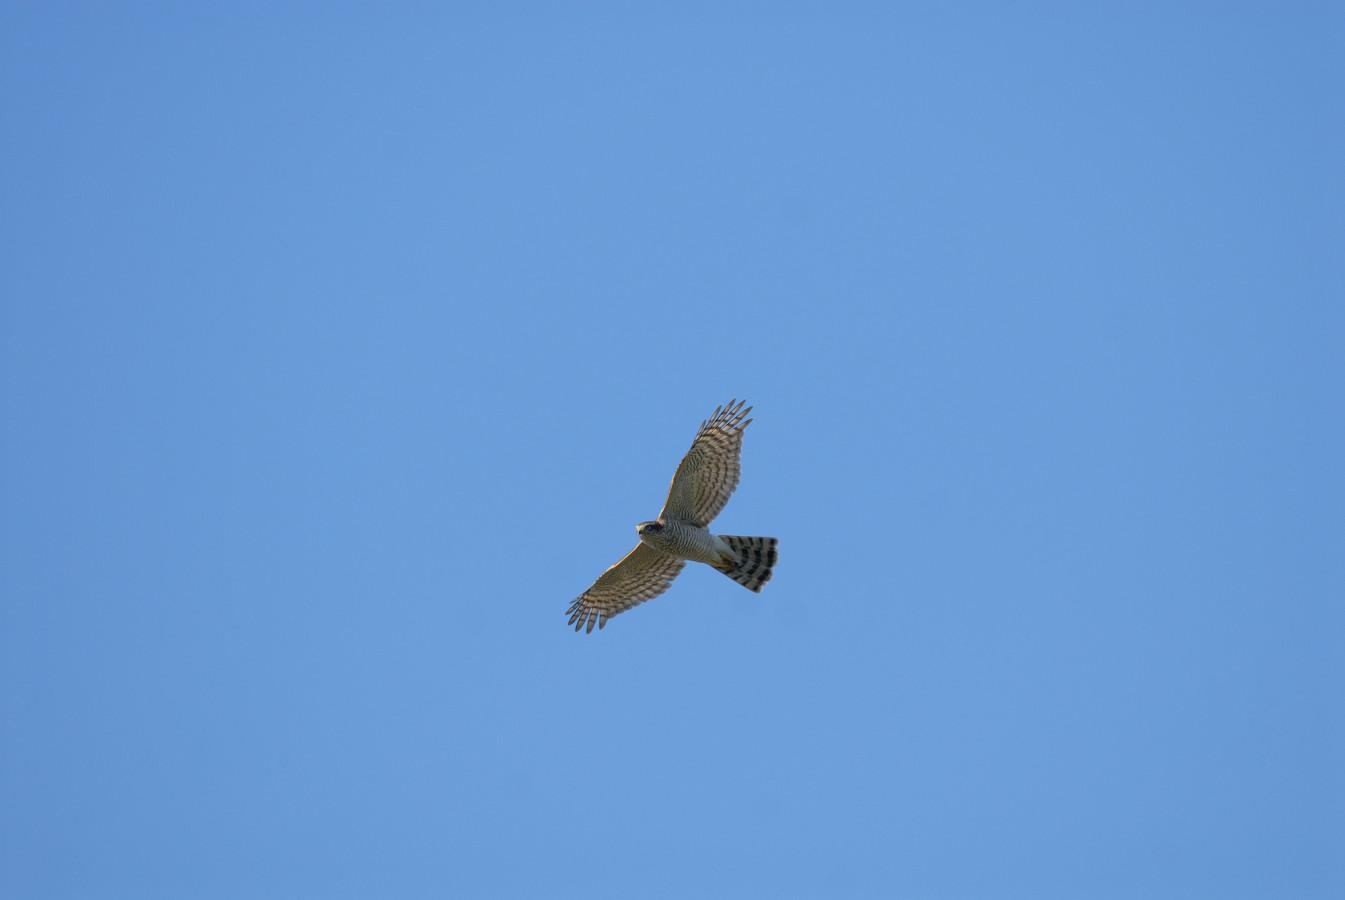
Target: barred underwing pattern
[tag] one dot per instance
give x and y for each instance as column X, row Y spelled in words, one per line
column 710, row 471
column 642, row 574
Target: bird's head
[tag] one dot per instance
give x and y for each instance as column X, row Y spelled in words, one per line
column 648, row 528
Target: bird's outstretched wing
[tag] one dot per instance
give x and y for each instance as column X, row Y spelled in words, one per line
column 709, row 472
column 641, row 574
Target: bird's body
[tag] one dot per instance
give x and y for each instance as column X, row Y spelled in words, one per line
column 701, row 486
column 684, row 541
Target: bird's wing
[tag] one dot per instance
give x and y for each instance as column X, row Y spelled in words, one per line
column 641, row 574
column 709, row 472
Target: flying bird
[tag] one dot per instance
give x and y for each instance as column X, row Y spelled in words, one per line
column 701, row 486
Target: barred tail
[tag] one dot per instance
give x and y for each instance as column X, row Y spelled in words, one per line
column 754, row 557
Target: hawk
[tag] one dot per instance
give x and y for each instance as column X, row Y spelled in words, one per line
column 701, row 486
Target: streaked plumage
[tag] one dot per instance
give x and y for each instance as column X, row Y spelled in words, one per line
column 703, row 483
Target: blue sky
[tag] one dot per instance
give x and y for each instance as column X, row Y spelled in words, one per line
column 343, row 346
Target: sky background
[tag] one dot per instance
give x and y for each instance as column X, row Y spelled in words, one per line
column 342, row 346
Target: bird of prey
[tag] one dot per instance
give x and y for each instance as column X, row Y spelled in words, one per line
column 701, row 486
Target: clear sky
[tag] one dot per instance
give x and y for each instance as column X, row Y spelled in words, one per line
column 343, row 346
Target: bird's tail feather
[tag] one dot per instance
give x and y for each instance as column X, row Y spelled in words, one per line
column 752, row 562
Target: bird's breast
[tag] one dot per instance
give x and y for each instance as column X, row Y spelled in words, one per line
column 684, row 542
